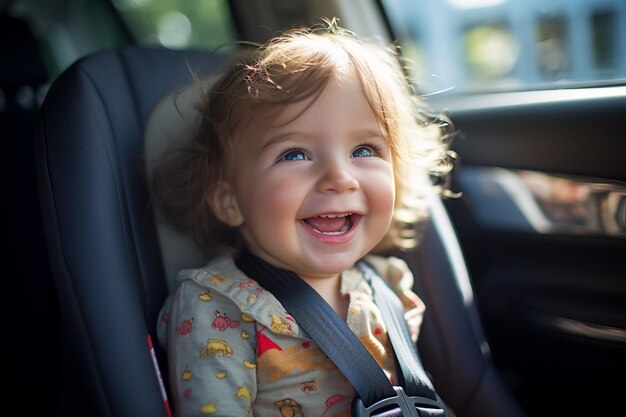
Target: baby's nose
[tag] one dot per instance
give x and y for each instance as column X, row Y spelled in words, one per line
column 337, row 177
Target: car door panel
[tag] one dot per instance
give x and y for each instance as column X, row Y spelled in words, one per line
column 548, row 264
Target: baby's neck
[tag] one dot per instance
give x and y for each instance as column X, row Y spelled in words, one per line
column 330, row 290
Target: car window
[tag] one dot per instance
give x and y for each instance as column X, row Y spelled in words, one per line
column 461, row 46
column 178, row 23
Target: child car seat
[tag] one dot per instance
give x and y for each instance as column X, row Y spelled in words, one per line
column 110, row 267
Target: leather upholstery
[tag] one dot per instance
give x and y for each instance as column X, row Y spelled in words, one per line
column 452, row 345
column 100, row 230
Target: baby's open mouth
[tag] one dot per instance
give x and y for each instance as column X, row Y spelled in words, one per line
column 330, row 224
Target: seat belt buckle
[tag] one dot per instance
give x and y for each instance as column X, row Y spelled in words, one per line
column 402, row 405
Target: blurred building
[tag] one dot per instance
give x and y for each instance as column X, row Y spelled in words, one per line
column 469, row 45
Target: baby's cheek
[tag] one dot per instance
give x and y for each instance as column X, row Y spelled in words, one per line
column 384, row 190
column 282, row 198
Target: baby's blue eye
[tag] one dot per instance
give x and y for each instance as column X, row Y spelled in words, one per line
column 362, row 152
column 294, row 156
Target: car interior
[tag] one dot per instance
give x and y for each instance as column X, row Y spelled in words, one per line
column 522, row 270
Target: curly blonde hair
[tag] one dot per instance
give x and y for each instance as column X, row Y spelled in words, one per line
column 289, row 68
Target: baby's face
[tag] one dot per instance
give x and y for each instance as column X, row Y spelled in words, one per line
column 316, row 193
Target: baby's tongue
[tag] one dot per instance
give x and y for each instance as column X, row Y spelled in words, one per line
column 327, row 224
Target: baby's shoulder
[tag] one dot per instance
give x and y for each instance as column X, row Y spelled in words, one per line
column 222, row 286
column 396, row 272
column 391, row 268
column 218, row 280
column 219, row 270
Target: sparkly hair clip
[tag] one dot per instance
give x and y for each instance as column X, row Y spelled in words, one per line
column 255, row 74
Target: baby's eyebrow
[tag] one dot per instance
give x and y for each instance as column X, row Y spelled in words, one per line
column 369, row 132
column 359, row 133
column 283, row 137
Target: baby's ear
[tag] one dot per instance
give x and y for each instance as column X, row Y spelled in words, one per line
column 223, row 202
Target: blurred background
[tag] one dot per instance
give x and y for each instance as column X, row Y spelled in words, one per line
column 487, row 45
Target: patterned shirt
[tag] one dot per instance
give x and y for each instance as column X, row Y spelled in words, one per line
column 233, row 350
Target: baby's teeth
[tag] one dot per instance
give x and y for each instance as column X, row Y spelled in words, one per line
column 343, row 230
column 332, row 216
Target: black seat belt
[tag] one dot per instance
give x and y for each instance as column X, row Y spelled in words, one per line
column 376, row 396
